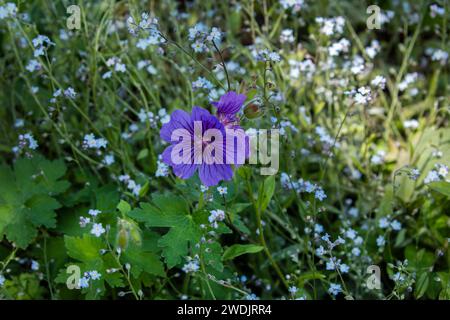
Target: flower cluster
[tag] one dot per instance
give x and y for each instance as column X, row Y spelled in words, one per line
column 8, row 10
column 91, row 142
column 41, row 44
column 97, row 229
column 88, row 276
column 200, row 36
column 26, row 142
column 331, row 26
column 215, row 217
column 302, row 186
column 116, row 65
column 132, row 186
column 192, row 265
column 439, row 173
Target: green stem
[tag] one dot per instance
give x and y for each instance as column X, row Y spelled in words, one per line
column 261, row 234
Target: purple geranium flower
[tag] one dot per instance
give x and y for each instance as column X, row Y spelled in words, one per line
column 210, row 173
column 227, row 107
column 201, row 141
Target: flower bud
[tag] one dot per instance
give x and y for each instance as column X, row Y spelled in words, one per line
column 253, row 110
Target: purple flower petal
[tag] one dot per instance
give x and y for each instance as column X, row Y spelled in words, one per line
column 211, row 175
column 179, row 119
column 230, row 103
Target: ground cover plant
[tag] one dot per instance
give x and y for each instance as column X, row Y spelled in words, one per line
column 355, row 96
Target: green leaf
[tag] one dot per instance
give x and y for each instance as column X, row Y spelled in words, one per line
column 311, row 275
column 419, row 260
column 442, row 187
column 266, row 192
column 237, row 250
column 213, row 255
column 85, row 249
column 170, row 211
column 143, row 261
column 124, row 207
column 385, row 207
column 142, row 154
column 27, row 197
column 422, row 284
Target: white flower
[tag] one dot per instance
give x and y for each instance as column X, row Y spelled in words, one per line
column 319, row 194
column 151, row 70
column 63, row 35
column 70, row 93
column 409, row 78
column 94, row 275
column 19, row 123
column 34, row 265
column 124, row 178
column 334, row 289
column 109, row 159
column 395, row 225
column 378, row 158
column 383, row 223
column 197, row 31
column 191, row 266
column 84, row 221
column 432, row 176
column 222, row 190
column 198, row 46
column 107, row 75
column 320, row 251
column 33, row 65
column 295, row 5
column 101, row 143
column 41, row 40
column 344, row 268
column 216, row 216
column 27, row 140
column 202, row 83
column 436, row 10
column 93, row 143
column 38, row 52
column 293, row 290
column 380, row 241
column 356, row 251
column 440, row 55
column 134, row 187
column 353, row 212
column 274, row 57
column 120, row 67
column 341, row 46
column 350, row 233
column 361, row 96
column 8, row 10
column 97, row 229
column 215, row 35
column 83, row 282
column 330, row 26
column 265, row 55
column 398, row 277
column 94, row 212
column 379, row 81
column 287, row 36
column 163, row 169
column 411, row 124
column 442, row 170
column 373, row 49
